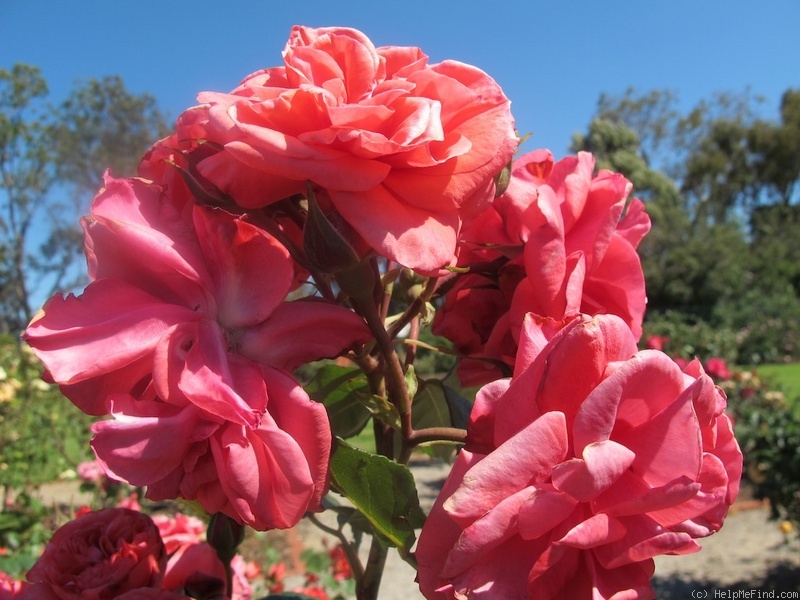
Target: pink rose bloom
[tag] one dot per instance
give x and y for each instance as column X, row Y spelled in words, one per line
column 718, row 369
column 99, row 556
column 558, row 243
column 590, row 461
column 406, row 150
column 184, row 338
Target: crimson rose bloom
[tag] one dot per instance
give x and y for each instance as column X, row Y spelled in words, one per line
column 405, row 149
column 99, row 556
column 590, row 461
column 184, row 338
column 559, row 242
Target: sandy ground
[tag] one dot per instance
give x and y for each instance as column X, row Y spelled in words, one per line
column 749, row 553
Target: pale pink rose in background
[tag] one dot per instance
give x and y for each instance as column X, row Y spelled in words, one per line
column 99, row 556
column 590, row 461
column 557, row 243
column 131, row 501
column 91, row 471
column 406, row 150
column 184, row 338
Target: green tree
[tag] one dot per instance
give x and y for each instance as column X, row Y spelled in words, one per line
column 721, row 186
column 51, row 164
column 27, row 174
column 104, row 126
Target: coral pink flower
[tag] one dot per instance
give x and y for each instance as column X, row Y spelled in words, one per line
column 405, row 149
column 184, row 338
column 99, row 556
column 555, row 244
column 590, row 461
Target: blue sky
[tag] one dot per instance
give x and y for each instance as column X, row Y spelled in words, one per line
column 553, row 59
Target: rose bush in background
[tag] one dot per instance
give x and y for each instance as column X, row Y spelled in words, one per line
column 326, row 208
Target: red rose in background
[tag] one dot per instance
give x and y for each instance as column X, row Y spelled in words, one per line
column 99, row 556
column 559, row 242
column 405, row 149
column 590, row 461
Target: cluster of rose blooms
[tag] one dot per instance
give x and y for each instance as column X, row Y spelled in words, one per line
column 584, row 457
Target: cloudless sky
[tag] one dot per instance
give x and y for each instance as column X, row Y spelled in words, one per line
column 552, row 58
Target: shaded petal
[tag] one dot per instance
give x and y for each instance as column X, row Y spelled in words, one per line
column 485, row 534
column 264, row 475
column 416, row 238
column 306, row 422
column 603, row 463
column 596, row 530
column 221, row 383
column 544, row 510
column 303, row 331
column 251, row 270
column 136, row 234
column 145, row 441
column 643, row 540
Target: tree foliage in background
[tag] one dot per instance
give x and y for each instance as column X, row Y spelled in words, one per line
column 721, row 185
column 51, row 163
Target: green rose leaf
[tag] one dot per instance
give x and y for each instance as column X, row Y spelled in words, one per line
column 382, row 490
column 343, row 391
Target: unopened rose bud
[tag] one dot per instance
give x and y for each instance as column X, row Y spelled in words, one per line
column 224, row 535
column 501, row 180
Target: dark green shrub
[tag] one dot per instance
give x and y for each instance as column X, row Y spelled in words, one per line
column 768, row 430
column 768, row 325
column 686, row 337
